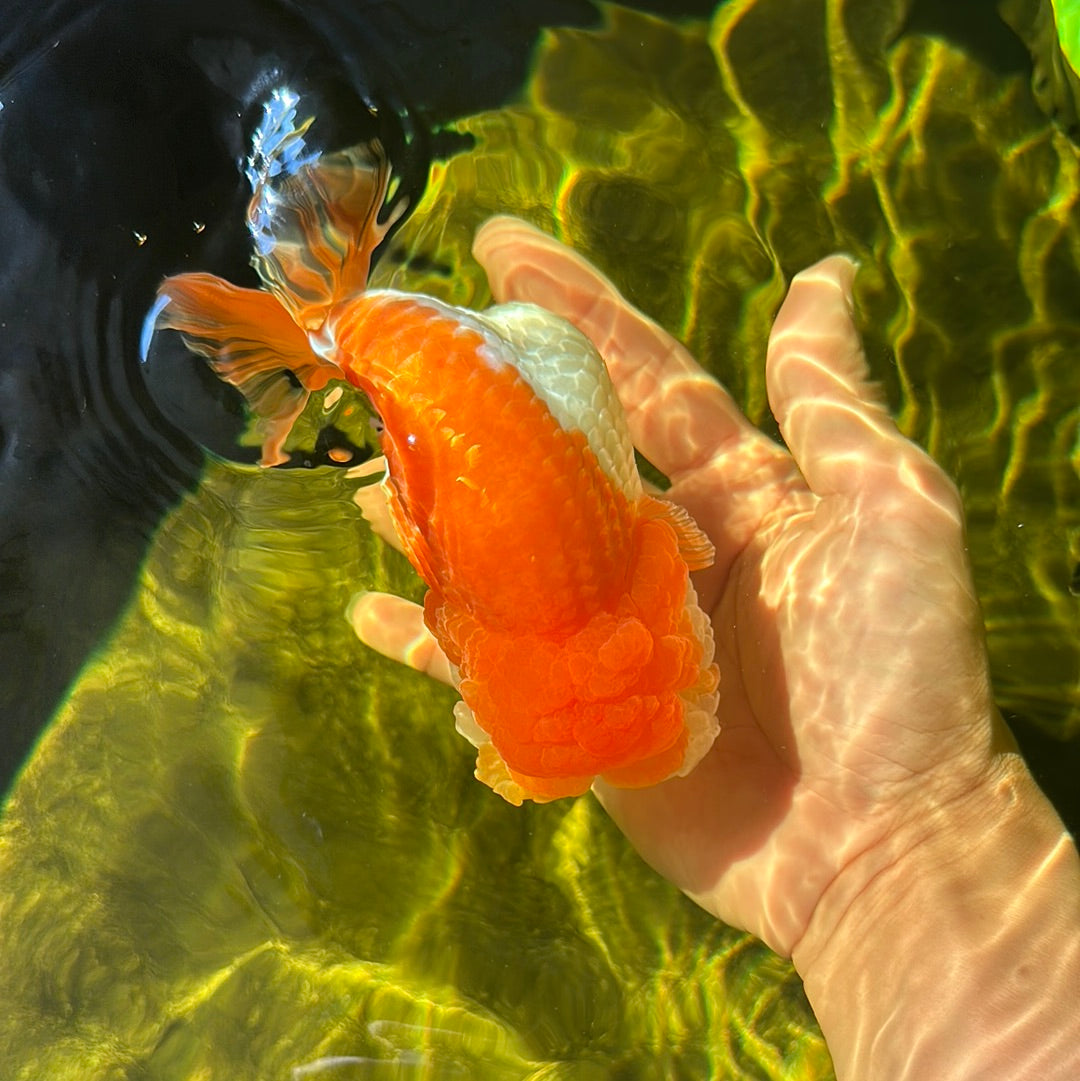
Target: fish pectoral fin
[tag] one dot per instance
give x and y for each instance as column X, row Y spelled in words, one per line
column 695, row 547
column 251, row 342
column 316, row 227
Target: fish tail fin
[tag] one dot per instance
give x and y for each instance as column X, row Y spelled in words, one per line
column 695, row 547
column 252, row 343
column 314, row 217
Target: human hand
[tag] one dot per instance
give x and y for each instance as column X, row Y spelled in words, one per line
column 854, row 693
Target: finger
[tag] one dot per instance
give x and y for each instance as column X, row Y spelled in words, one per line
column 840, row 432
column 371, row 468
column 371, row 499
column 395, row 628
column 679, row 416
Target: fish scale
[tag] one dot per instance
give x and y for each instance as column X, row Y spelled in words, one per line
column 500, row 404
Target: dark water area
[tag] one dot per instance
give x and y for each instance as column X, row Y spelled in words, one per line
column 969, row 24
column 122, row 127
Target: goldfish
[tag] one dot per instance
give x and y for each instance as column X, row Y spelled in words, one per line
column 558, row 586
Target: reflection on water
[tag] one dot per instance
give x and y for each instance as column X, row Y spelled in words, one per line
column 247, row 847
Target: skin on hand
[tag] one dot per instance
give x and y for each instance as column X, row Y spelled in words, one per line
column 854, row 684
column 862, row 777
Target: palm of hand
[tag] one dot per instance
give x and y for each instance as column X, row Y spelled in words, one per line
column 853, row 677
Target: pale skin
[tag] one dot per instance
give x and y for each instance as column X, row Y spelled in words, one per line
column 863, row 810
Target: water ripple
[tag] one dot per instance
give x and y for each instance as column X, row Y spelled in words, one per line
column 123, row 132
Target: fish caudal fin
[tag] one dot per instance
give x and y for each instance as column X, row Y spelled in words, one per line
column 250, row 342
column 313, row 216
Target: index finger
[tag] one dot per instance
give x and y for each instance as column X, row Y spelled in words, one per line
column 680, row 417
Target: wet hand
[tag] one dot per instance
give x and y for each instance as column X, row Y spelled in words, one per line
column 854, row 691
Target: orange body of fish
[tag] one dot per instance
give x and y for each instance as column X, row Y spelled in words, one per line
column 558, row 588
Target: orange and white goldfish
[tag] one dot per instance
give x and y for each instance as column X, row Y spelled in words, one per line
column 558, row 587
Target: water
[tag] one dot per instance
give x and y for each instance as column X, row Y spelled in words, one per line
column 246, row 847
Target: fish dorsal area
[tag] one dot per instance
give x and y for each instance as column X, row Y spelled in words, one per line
column 508, row 454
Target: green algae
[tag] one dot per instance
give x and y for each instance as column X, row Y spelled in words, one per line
column 1048, row 28
column 247, row 846
column 1067, row 21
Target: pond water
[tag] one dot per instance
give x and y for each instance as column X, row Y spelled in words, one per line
column 238, row 844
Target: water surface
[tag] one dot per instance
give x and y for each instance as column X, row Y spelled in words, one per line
column 246, row 847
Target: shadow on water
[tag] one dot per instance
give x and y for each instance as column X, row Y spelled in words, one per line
column 965, row 23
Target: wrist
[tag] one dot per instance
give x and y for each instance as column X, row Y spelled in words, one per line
column 951, row 948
